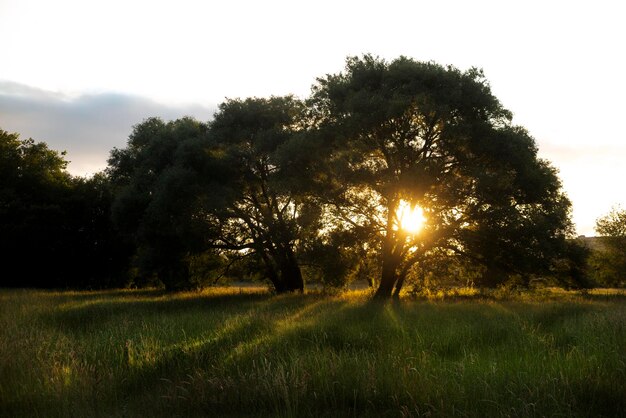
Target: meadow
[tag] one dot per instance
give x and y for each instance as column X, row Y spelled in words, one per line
column 245, row 352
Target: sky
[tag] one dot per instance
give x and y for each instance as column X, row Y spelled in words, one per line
column 78, row 74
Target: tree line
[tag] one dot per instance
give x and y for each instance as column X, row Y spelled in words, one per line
column 291, row 191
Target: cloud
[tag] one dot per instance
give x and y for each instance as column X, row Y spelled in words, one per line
column 87, row 126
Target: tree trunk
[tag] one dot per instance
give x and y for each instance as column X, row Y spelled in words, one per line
column 285, row 274
column 389, row 274
column 175, row 275
column 399, row 283
column 272, row 274
column 291, row 273
column 292, row 278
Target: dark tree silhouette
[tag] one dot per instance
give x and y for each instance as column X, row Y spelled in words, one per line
column 258, row 204
column 156, row 197
column 433, row 136
column 55, row 229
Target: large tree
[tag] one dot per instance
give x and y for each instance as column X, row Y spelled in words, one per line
column 157, row 187
column 232, row 188
column 256, row 198
column 406, row 134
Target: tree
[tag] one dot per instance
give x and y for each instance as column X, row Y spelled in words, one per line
column 156, row 187
column 55, row 229
column 33, row 183
column 612, row 226
column 256, row 200
column 407, row 134
column 97, row 254
column 609, row 261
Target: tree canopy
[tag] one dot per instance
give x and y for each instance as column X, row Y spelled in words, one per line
column 413, row 133
column 258, row 206
column 55, row 229
column 157, row 184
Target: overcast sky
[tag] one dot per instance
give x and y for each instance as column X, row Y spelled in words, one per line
column 78, row 74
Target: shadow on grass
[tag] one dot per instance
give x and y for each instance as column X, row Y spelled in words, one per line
column 235, row 366
column 283, row 349
column 82, row 314
column 228, row 365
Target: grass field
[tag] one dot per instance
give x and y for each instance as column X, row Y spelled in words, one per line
column 230, row 352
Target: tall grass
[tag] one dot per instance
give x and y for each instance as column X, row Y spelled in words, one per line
column 230, row 352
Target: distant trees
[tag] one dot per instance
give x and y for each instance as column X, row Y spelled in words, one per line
column 608, row 263
column 55, row 230
column 33, row 185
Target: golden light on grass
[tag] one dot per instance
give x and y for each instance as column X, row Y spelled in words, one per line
column 410, row 218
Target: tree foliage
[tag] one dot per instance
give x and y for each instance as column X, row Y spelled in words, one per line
column 609, row 262
column 156, row 181
column 256, row 201
column 232, row 188
column 55, row 229
column 436, row 137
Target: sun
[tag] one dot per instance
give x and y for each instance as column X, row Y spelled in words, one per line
column 410, row 219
